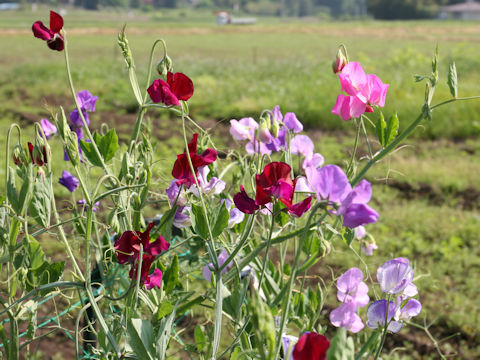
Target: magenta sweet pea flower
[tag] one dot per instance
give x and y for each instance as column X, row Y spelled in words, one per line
column 51, row 35
column 154, row 280
column 177, row 87
column 69, row 181
column 353, row 79
column 48, row 128
column 346, row 316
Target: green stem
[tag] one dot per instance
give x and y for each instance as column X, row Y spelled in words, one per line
column 454, row 100
column 354, row 152
column 265, row 257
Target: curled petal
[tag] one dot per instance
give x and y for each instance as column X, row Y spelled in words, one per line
column 56, row 22
column 300, row 208
column 160, row 91
column 41, row 31
column 244, row 203
column 359, row 214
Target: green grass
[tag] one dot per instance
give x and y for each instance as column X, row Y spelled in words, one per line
column 426, row 206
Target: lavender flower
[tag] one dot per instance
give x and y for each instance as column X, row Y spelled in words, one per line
column 48, row 128
column 86, row 100
column 377, row 313
column 291, row 122
column 302, row 145
column 236, row 216
column 351, row 288
column 214, row 186
column 207, row 270
column 243, row 129
column 395, row 275
column 346, row 316
column 83, row 202
column 69, row 181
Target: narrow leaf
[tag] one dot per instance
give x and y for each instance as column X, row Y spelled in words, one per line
column 140, row 335
column 452, row 80
column 221, row 221
column 381, row 125
column 391, row 130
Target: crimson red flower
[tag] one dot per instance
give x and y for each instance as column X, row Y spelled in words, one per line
column 311, row 346
column 127, row 247
column 181, row 169
column 52, row 36
column 273, row 183
column 177, row 87
column 38, row 156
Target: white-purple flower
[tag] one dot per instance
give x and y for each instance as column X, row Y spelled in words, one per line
column 214, row 186
column 222, row 257
column 346, row 316
column 395, row 275
column 236, row 216
column 312, row 162
column 182, row 217
column 174, row 195
column 288, row 343
column 368, row 248
column 411, row 309
column 302, row 145
column 243, row 129
column 352, row 289
column 377, row 313
column 48, row 128
column 69, row 181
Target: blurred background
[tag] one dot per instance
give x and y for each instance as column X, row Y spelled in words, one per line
column 248, row 55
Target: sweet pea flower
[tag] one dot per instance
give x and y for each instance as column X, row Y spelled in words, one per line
column 364, row 92
column 176, row 194
column 351, row 288
column 302, row 145
column 243, row 129
column 177, row 87
column 368, row 248
column 292, row 123
column 38, row 154
column 69, row 181
column 312, row 162
column 236, row 216
column 84, row 202
column 181, row 169
column 182, row 217
column 330, row 183
column 395, row 275
column 377, row 312
column 411, row 309
column 346, row 316
column 288, row 342
column 222, row 257
column 214, row 186
column 51, row 35
column 311, row 346
column 86, row 100
column 127, row 247
column 273, row 183
column 48, row 128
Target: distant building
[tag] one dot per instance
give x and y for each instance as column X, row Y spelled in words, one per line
column 225, row 18
column 469, row 10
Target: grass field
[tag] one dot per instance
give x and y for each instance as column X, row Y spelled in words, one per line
column 428, row 193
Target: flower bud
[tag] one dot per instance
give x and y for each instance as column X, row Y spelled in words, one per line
column 19, row 155
column 37, row 154
column 264, row 133
column 339, row 62
column 165, row 65
column 275, row 128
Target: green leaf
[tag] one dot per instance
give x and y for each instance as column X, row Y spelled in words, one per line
column 282, row 218
column 40, row 206
column 170, row 278
column 35, row 254
column 221, row 220
column 167, row 222
column 12, row 195
column 140, row 337
column 452, row 80
column 164, row 309
column 341, row 346
column 50, row 274
column 311, row 245
column 391, row 130
column 348, row 236
column 199, row 221
column 107, row 146
column 381, row 125
column 163, row 336
column 200, row 338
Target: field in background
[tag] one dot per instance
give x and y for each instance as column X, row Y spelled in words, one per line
column 430, row 203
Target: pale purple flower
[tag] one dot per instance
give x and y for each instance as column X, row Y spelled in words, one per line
column 214, row 186
column 69, row 181
column 252, row 148
column 302, row 185
column 182, row 217
column 222, row 257
column 291, row 122
column 265, row 135
column 368, row 248
column 312, row 162
column 377, row 313
column 174, row 195
column 346, row 316
column 243, row 129
column 83, row 202
column 360, row 232
column 276, row 115
column 395, row 275
column 288, row 343
column 236, row 216
column 302, row 145
column 330, row 183
column 48, row 128
column 351, row 288
column 280, row 142
column 411, row 309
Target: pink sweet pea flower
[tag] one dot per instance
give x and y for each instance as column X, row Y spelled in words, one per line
column 52, row 36
column 348, row 107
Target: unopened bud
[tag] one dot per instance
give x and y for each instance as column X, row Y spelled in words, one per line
column 18, row 155
column 264, row 133
column 165, row 65
column 339, row 62
column 275, row 128
column 37, row 155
